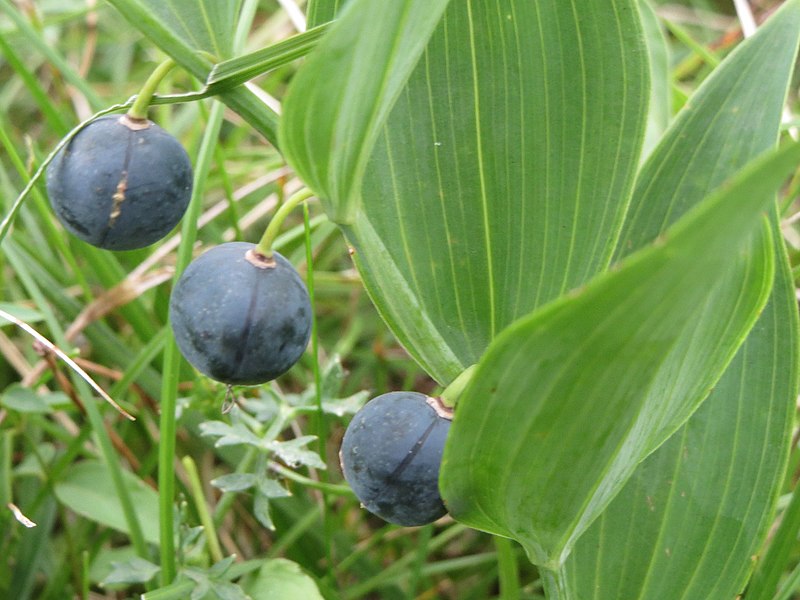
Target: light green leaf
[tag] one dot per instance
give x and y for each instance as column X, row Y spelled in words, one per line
column 339, row 100
column 25, row 400
column 284, row 579
column 236, row 71
column 23, row 313
column 658, row 116
column 294, row 452
column 272, row 489
column 87, row 489
column 694, row 514
column 502, row 176
column 322, row 11
column 710, row 490
column 568, row 401
column 234, row 482
column 135, row 570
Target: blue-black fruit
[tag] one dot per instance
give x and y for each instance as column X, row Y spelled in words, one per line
column 238, row 317
column 391, row 455
column 120, row 183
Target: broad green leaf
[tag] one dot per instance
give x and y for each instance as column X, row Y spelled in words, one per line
column 88, row 490
column 658, row 116
column 569, row 400
column 710, row 491
column 182, row 36
column 284, row 579
column 339, row 100
column 689, row 522
column 502, row 175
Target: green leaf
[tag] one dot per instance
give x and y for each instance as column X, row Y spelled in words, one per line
column 272, row 489
column 294, row 453
column 322, row 11
column 135, row 570
column 88, row 490
column 23, row 313
column 658, row 116
column 206, row 25
column 339, row 100
column 710, row 491
column 569, row 400
column 284, row 579
column 502, row 175
column 694, row 514
column 229, row 435
column 234, row 482
column 25, row 400
column 236, row 71
column 188, row 30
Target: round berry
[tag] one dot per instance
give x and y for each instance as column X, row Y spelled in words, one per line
column 391, row 454
column 120, row 183
column 240, row 318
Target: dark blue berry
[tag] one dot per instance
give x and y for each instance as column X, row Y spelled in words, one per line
column 238, row 318
column 391, row 455
column 120, row 184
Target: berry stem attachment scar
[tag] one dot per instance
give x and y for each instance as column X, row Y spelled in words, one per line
column 138, row 111
column 264, row 247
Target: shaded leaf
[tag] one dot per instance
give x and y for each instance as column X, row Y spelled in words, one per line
column 323, row 11
column 261, row 511
column 234, row 482
column 294, row 453
column 272, row 489
column 229, row 435
column 135, row 570
column 25, row 400
column 690, row 520
column 88, row 490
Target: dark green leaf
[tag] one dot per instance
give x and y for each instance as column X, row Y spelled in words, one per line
column 174, row 40
column 503, row 173
column 338, row 102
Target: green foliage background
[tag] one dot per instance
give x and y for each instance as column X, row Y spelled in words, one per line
column 577, row 196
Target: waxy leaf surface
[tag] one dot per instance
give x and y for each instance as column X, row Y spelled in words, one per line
column 500, row 177
column 569, row 400
column 696, row 511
